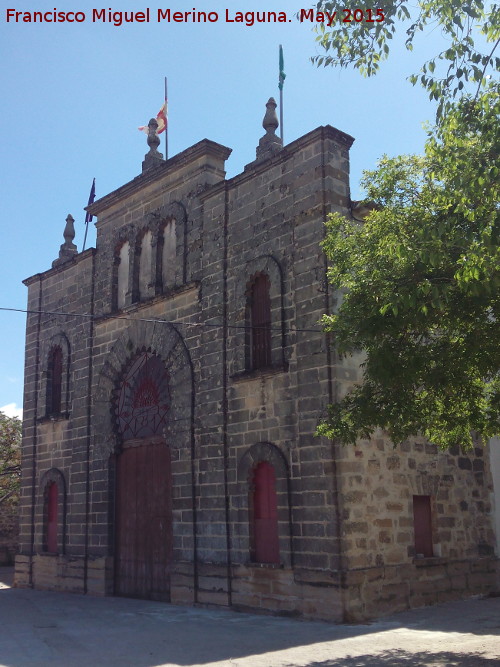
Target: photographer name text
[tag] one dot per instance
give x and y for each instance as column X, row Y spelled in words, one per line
column 119, row 18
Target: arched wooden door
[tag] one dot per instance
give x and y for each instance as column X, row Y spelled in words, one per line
column 143, row 522
column 143, row 500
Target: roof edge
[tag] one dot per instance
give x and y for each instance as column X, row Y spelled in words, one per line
column 203, row 147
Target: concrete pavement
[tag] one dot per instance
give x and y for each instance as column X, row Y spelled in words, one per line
column 64, row 630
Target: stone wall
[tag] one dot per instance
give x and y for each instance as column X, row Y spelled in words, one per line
column 57, row 444
column 378, row 484
column 379, row 481
column 376, row 591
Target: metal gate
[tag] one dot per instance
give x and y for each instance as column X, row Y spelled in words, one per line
column 143, row 553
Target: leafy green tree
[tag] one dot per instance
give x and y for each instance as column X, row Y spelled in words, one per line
column 421, row 282
column 10, row 458
column 471, row 31
column 420, row 276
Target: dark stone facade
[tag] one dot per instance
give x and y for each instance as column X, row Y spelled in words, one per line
column 171, row 276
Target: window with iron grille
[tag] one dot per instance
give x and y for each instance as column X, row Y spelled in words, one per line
column 54, row 380
column 260, row 323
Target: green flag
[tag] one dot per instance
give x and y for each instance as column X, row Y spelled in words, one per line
column 282, row 70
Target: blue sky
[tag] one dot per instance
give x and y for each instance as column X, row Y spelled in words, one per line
column 74, row 94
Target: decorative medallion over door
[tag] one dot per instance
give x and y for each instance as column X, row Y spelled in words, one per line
column 144, row 398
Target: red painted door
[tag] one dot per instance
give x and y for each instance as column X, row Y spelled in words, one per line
column 265, row 508
column 143, row 523
column 52, row 518
column 422, row 521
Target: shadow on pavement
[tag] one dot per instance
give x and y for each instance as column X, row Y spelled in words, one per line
column 399, row 658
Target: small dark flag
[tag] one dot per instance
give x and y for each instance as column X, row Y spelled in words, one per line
column 89, row 216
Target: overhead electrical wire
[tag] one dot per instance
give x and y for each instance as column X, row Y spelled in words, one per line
column 151, row 319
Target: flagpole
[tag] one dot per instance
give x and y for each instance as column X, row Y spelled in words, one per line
column 88, row 216
column 166, row 126
column 281, row 80
column 281, row 116
column 85, row 237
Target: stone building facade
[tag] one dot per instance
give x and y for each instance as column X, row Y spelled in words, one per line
column 175, row 375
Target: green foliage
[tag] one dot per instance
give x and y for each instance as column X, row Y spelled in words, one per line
column 10, row 458
column 421, row 278
column 463, row 66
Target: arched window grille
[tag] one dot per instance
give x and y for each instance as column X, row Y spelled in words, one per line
column 54, row 380
column 143, row 398
column 260, row 323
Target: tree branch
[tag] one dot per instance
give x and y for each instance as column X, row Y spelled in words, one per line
column 485, row 66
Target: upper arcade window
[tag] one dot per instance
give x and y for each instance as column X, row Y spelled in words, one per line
column 168, row 255
column 144, row 272
column 122, row 274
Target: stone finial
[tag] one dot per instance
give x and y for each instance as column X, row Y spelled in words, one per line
column 68, row 249
column 69, row 232
column 270, row 122
column 154, row 157
column 270, row 144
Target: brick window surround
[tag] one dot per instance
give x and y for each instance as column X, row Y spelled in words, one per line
column 262, row 492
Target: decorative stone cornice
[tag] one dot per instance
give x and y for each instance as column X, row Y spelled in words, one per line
column 205, row 148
